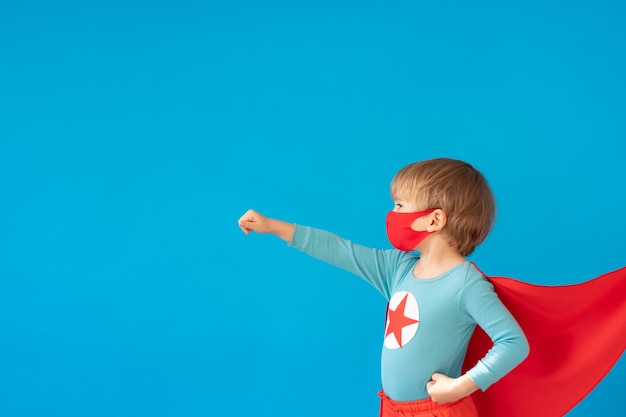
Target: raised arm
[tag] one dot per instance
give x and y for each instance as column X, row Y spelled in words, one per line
column 376, row 266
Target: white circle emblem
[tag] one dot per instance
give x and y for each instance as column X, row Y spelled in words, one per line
column 402, row 320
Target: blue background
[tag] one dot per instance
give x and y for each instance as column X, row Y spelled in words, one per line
column 133, row 135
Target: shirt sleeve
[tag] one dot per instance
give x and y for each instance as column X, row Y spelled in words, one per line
column 481, row 305
column 379, row 267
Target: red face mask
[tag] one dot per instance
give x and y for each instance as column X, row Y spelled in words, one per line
column 399, row 229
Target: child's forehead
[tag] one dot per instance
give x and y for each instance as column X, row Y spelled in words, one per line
column 401, row 195
column 404, row 194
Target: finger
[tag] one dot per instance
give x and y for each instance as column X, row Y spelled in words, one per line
column 244, row 218
column 248, row 215
column 435, row 377
column 431, row 390
column 248, row 224
column 244, row 228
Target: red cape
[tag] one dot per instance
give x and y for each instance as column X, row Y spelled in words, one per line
column 576, row 334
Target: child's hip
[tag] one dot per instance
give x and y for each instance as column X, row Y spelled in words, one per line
column 426, row 408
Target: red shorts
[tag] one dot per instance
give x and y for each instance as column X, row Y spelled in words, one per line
column 426, row 408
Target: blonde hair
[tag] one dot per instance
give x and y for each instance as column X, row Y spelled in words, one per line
column 459, row 190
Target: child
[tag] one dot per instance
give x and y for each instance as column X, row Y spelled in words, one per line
column 432, row 359
column 443, row 209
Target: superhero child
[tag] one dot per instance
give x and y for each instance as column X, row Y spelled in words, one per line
column 444, row 209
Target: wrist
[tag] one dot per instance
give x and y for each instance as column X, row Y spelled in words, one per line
column 465, row 386
column 282, row 229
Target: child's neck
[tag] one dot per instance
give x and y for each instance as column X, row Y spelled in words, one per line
column 435, row 259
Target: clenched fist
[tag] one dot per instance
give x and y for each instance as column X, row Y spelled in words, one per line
column 253, row 221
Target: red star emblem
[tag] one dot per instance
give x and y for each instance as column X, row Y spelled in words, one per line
column 397, row 321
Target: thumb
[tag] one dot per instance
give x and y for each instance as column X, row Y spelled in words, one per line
column 435, row 377
column 247, row 221
column 432, row 382
column 244, row 225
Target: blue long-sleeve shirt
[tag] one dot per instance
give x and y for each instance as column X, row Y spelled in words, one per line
column 430, row 321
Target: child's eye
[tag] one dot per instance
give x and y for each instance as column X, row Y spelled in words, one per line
column 398, row 205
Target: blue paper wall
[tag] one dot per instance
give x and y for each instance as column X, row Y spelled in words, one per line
column 134, row 134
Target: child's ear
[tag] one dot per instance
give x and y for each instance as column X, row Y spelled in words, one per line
column 436, row 220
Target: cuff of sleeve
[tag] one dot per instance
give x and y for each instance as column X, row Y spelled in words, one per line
column 480, row 376
column 300, row 237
